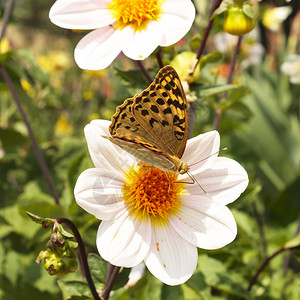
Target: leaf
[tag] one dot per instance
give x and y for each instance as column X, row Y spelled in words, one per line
column 11, row 139
column 213, row 90
column 73, row 288
column 133, row 80
column 122, row 278
column 210, row 58
column 98, row 268
column 218, row 276
column 294, row 242
column 46, row 222
column 171, row 292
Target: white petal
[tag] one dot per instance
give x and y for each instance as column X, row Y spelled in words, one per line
column 176, row 20
column 98, row 191
column 140, row 44
column 98, row 49
column 103, row 152
column 224, row 181
column 81, row 14
column 171, row 258
column 199, row 149
column 204, row 223
column 124, row 241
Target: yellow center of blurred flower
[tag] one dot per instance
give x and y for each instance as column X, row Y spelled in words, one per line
column 135, row 13
column 148, row 192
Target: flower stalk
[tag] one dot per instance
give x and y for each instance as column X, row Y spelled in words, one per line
column 82, row 256
column 36, row 149
column 205, row 36
column 219, row 111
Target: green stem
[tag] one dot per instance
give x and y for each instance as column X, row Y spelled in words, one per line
column 158, row 58
column 219, row 111
column 82, row 256
column 144, row 71
column 205, row 36
column 36, row 149
column 112, row 272
column 8, row 11
column 264, row 264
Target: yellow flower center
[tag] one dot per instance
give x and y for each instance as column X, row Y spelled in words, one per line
column 136, row 13
column 148, row 192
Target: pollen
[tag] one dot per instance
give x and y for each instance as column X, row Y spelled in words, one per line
column 135, row 13
column 148, row 192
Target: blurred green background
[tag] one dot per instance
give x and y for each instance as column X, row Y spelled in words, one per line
column 259, row 126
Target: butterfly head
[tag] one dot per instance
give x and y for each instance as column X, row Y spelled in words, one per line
column 183, row 168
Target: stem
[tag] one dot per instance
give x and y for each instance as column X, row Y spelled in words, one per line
column 233, row 59
column 82, row 256
column 205, row 36
column 8, row 11
column 37, row 150
column 144, row 71
column 219, row 111
column 264, row 264
column 112, row 272
column 289, row 255
column 158, row 58
column 261, row 229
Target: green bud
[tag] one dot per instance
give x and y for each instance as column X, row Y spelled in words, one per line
column 237, row 22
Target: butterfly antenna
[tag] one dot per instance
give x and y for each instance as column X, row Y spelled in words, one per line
column 195, row 180
column 224, row 149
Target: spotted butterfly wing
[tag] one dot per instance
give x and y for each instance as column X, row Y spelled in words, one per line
column 153, row 125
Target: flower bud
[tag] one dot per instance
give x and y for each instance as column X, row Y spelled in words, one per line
column 59, row 262
column 237, row 22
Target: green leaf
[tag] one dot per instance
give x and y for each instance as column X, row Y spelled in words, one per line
column 98, row 268
column 11, row 139
column 218, row 276
column 12, row 266
column 294, row 242
column 122, row 278
column 74, row 288
column 171, row 292
column 212, row 90
column 133, row 80
column 45, row 221
column 210, row 58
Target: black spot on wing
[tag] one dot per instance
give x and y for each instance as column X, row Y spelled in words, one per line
column 164, row 123
column 152, row 121
column 167, row 111
column 154, row 108
column 160, row 101
column 144, row 112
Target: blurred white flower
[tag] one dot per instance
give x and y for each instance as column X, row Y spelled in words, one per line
column 252, row 50
column 292, row 68
column 134, row 27
column 274, row 17
column 147, row 218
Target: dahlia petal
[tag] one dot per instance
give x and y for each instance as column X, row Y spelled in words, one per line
column 224, row 181
column 98, row 49
column 98, row 191
column 104, row 153
column 139, row 45
column 171, row 258
column 124, row 241
column 81, row 14
column 204, row 223
column 176, row 20
column 199, row 149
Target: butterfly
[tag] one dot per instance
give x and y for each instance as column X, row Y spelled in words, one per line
column 153, row 125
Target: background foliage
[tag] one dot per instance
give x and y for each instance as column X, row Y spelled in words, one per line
column 259, row 126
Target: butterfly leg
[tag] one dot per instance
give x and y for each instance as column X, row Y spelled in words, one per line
column 168, row 181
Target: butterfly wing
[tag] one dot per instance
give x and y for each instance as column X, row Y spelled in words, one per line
column 144, row 152
column 161, row 111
